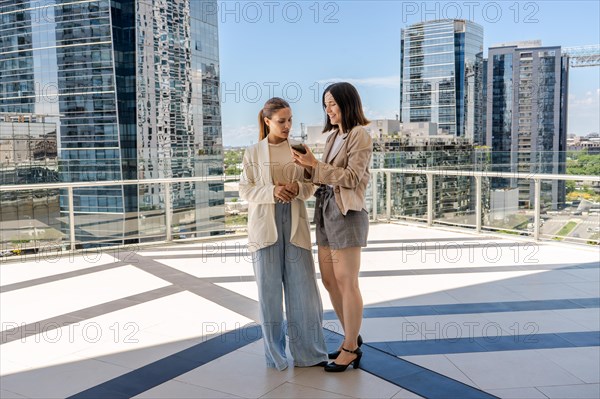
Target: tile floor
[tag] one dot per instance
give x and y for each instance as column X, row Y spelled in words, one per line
column 447, row 314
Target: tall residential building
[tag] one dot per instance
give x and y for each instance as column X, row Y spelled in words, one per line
column 441, row 76
column 416, row 146
column 527, row 115
column 135, row 87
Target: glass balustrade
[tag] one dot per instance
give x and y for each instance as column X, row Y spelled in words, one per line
column 465, row 190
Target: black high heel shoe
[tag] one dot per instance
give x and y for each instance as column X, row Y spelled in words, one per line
column 333, row 367
column 334, row 355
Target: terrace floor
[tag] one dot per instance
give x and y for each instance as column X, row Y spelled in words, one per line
column 447, row 314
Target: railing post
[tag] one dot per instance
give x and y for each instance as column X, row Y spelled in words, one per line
column 388, row 195
column 71, row 218
column 478, row 207
column 537, row 206
column 168, row 214
column 429, row 199
column 374, row 195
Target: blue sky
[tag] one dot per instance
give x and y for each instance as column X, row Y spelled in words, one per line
column 292, row 49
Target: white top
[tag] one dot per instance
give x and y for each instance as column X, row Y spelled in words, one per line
column 256, row 187
column 281, row 163
column 335, row 148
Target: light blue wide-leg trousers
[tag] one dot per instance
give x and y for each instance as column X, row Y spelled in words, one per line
column 285, row 270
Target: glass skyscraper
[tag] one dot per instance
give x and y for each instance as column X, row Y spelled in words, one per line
column 441, row 76
column 133, row 88
column 527, row 115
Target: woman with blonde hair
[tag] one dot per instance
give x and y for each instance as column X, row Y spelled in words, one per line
column 279, row 240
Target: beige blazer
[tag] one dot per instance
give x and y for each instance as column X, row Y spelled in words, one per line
column 256, row 187
column 348, row 172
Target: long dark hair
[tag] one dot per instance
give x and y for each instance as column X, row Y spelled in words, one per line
column 347, row 98
column 271, row 106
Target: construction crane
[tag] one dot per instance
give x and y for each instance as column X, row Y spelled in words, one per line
column 583, row 56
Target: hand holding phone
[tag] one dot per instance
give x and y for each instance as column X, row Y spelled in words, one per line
column 299, row 148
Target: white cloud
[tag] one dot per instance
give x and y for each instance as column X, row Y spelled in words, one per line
column 377, row 114
column 589, row 100
column 378, row 81
column 239, row 136
column 583, row 116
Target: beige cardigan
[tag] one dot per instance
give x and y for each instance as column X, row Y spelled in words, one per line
column 256, row 187
column 348, row 172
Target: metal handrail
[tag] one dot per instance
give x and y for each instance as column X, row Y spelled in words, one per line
column 223, row 178
column 102, row 183
column 430, row 173
column 485, row 173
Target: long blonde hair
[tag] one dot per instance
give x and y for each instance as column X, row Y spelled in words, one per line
column 271, row 107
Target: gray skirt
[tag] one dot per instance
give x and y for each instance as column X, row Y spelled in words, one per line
column 334, row 230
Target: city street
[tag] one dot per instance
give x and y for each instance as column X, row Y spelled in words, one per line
column 583, row 230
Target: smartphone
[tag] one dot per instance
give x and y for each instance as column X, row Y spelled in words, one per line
column 300, row 148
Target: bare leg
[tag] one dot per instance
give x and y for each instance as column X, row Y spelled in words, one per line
column 326, row 266
column 346, row 265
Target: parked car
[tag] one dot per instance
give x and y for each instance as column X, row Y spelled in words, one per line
column 6, row 253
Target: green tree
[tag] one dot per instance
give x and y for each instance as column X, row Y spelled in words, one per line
column 582, row 163
column 570, row 185
column 231, row 159
column 232, row 170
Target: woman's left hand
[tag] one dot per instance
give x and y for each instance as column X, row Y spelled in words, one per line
column 307, row 160
column 286, row 193
column 293, row 188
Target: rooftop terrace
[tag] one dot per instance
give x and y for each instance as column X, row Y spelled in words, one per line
column 447, row 313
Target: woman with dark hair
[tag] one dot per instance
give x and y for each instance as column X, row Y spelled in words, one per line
column 279, row 240
column 342, row 222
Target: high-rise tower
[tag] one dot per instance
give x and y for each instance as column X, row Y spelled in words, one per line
column 441, row 76
column 135, row 86
column 527, row 115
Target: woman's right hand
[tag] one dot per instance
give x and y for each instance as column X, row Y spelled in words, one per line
column 284, row 193
column 306, row 160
